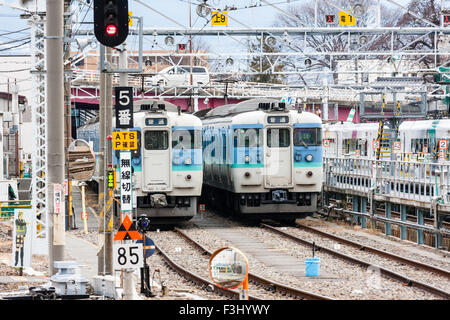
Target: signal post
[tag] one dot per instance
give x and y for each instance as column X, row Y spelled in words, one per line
column 111, row 29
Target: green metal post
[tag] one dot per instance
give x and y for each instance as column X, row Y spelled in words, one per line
column 403, row 218
column 421, row 222
column 388, row 215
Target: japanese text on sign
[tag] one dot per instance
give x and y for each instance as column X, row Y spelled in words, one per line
column 219, row 18
column 57, row 196
column 124, row 107
column 125, row 140
column 111, row 179
column 126, row 187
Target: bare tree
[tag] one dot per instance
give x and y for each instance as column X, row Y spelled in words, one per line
column 323, row 43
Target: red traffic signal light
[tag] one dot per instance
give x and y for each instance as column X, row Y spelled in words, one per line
column 181, row 46
column 111, row 21
column 111, row 30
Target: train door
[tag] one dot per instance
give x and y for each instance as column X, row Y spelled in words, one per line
column 157, row 160
column 278, row 158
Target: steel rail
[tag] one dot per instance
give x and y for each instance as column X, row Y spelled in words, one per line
column 366, row 248
column 391, row 274
column 259, row 280
column 204, row 283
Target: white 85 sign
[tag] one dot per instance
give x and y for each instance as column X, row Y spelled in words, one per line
column 128, row 256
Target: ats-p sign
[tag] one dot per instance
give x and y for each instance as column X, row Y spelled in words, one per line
column 125, row 140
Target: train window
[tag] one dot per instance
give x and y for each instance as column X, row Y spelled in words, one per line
column 156, row 140
column 248, row 138
column 308, row 136
column 187, row 139
column 278, row 138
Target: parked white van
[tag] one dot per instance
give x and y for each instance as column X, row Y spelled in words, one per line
column 180, row 76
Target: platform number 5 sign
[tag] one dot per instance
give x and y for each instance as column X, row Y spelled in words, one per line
column 219, row 18
column 124, row 107
column 128, row 256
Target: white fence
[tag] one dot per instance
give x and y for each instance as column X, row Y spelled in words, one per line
column 400, row 179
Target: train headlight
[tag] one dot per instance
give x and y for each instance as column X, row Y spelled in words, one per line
column 309, row 157
column 247, row 159
column 188, row 161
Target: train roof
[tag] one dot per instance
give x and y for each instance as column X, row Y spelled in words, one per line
column 169, row 107
column 241, row 107
column 442, row 126
column 346, row 126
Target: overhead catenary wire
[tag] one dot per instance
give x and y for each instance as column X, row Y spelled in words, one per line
column 12, row 32
column 16, row 46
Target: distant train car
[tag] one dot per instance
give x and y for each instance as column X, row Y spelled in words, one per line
column 344, row 139
column 420, row 140
column 425, row 139
column 167, row 165
column 262, row 158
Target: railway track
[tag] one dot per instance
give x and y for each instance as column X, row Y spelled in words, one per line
column 265, row 283
column 406, row 281
column 198, row 280
column 379, row 252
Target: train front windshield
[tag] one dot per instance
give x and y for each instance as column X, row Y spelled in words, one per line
column 307, row 137
column 156, row 140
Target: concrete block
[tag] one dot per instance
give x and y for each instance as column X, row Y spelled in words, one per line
column 104, row 286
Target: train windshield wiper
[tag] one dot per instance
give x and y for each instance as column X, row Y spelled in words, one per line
column 304, row 143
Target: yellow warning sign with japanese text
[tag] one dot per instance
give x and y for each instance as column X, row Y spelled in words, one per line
column 125, row 140
column 345, row 19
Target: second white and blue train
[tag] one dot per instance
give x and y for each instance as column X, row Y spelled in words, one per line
column 262, row 158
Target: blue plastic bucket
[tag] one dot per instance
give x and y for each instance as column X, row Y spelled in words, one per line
column 312, row 267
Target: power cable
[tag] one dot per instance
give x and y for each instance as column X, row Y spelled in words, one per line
column 19, row 45
column 16, row 40
column 18, row 70
column 12, row 32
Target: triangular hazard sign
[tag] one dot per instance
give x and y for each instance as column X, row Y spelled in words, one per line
column 127, row 231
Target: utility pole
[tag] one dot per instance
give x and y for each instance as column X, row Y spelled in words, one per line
column 68, row 108
column 190, row 56
column 105, row 158
column 55, row 137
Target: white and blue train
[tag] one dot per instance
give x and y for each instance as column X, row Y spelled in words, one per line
column 167, row 165
column 262, row 158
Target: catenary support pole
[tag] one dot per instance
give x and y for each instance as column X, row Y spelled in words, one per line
column 55, row 137
column 68, row 110
column 105, row 115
